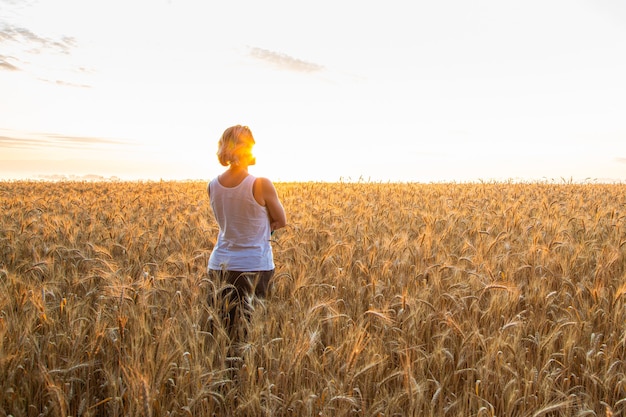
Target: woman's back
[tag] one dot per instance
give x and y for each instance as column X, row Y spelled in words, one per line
column 243, row 242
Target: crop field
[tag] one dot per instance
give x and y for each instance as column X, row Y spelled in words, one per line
column 482, row 299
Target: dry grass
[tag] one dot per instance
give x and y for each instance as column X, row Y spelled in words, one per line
column 389, row 300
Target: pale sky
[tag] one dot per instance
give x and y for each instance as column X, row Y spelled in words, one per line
column 450, row 90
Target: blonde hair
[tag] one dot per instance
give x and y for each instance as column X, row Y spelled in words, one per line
column 234, row 142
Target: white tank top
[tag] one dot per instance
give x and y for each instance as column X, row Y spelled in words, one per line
column 243, row 241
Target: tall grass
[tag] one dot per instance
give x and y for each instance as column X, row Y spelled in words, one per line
column 389, row 300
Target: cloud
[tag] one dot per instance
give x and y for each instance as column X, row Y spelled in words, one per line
column 27, row 45
column 86, row 140
column 67, row 83
column 26, row 42
column 9, row 142
column 621, row 160
column 284, row 61
column 48, row 140
column 24, row 36
column 6, row 65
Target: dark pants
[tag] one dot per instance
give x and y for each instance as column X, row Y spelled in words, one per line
column 234, row 290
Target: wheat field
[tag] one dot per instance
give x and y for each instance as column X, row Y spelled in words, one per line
column 481, row 299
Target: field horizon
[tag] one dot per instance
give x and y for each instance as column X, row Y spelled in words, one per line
column 389, row 299
column 95, row 178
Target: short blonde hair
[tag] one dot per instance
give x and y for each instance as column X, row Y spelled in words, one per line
column 234, row 141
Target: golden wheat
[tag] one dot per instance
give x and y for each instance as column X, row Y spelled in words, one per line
column 389, row 300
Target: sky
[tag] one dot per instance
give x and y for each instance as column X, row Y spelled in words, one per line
column 333, row 90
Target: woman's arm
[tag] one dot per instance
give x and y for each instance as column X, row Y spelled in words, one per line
column 267, row 196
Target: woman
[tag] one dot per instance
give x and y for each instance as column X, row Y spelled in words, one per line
column 247, row 210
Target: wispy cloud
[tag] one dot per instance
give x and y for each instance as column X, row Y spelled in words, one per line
column 50, row 140
column 67, row 83
column 621, row 160
column 28, row 42
column 284, row 61
column 36, row 43
column 21, row 48
column 6, row 65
